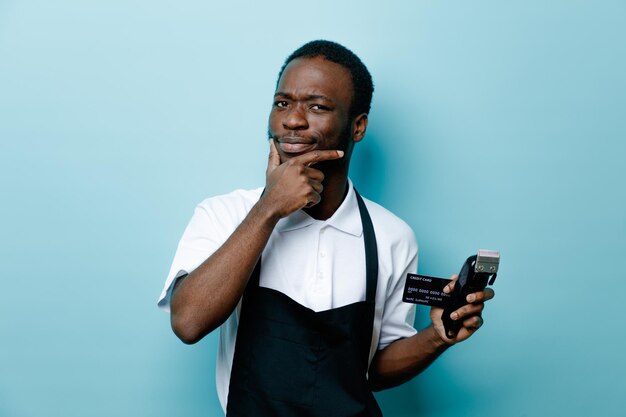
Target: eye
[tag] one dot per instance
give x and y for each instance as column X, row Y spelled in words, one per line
column 280, row 103
column 319, row 107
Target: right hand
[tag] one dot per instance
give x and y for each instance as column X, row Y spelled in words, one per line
column 293, row 184
column 469, row 314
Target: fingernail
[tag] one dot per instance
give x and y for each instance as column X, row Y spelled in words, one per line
column 340, row 153
column 454, row 316
column 471, row 298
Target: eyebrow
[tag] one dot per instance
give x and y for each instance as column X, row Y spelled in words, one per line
column 307, row 97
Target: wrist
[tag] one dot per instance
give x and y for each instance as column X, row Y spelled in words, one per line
column 435, row 338
column 265, row 213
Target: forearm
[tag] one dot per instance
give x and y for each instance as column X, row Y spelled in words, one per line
column 405, row 358
column 208, row 295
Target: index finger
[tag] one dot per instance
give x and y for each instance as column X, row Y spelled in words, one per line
column 481, row 296
column 317, row 156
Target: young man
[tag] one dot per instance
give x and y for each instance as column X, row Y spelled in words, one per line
column 305, row 277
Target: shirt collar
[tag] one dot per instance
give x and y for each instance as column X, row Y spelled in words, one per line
column 347, row 217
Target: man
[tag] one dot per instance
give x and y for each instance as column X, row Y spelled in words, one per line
column 305, row 277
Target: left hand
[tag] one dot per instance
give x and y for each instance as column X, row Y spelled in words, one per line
column 469, row 314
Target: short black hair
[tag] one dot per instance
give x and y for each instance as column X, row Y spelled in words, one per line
column 339, row 54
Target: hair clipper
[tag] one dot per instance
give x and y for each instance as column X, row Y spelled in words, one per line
column 477, row 271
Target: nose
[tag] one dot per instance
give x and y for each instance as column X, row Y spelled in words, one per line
column 295, row 119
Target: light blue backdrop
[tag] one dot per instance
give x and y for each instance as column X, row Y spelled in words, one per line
column 494, row 125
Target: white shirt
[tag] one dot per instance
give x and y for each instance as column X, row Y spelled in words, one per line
column 319, row 264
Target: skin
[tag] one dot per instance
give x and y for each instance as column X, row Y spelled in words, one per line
column 311, row 112
column 311, row 141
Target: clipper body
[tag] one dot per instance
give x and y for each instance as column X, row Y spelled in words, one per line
column 477, row 271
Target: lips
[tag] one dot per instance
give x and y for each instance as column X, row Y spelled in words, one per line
column 296, row 145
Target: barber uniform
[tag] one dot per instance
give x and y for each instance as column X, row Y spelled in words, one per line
column 291, row 361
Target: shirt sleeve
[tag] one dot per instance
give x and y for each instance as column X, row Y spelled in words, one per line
column 204, row 234
column 398, row 316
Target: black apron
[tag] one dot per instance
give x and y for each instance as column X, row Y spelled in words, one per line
column 291, row 361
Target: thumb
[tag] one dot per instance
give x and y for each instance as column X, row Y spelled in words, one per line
column 274, row 158
column 450, row 287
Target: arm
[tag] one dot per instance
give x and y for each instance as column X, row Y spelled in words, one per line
column 405, row 358
column 206, row 297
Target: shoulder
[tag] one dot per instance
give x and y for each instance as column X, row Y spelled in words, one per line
column 231, row 203
column 389, row 228
column 224, row 212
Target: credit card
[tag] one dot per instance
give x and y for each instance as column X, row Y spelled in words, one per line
column 425, row 290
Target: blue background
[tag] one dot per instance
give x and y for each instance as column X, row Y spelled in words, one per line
column 494, row 125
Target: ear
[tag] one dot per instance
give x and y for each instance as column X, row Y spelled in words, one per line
column 359, row 126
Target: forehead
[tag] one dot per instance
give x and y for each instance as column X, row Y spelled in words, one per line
column 316, row 76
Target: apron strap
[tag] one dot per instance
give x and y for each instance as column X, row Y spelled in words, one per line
column 371, row 251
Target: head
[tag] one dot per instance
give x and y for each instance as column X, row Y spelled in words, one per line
column 362, row 86
column 323, row 95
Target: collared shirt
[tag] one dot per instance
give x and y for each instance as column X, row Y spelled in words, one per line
column 319, row 264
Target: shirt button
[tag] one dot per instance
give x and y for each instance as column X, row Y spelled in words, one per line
column 323, row 254
column 320, row 275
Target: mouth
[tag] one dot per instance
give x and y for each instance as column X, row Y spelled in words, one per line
column 296, row 145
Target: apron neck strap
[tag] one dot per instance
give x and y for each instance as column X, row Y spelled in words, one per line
column 371, row 251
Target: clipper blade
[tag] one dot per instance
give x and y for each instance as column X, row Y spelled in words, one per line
column 487, row 261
